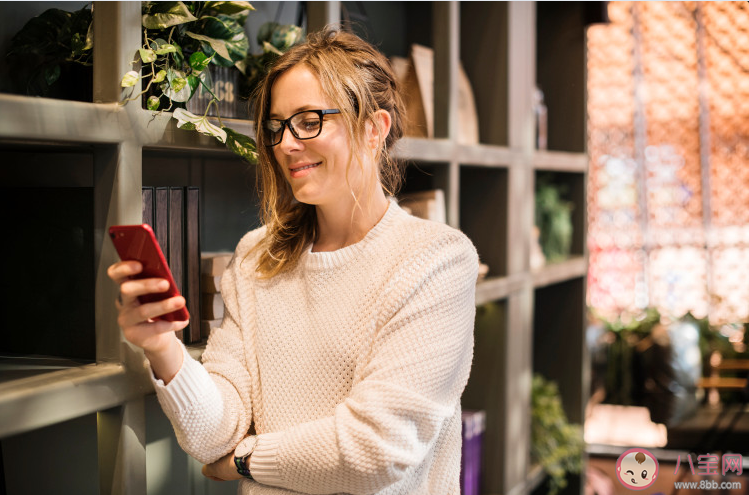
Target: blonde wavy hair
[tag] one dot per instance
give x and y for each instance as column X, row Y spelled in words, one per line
column 359, row 80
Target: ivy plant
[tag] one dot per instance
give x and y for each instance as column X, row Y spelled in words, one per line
column 180, row 41
column 555, row 443
column 46, row 44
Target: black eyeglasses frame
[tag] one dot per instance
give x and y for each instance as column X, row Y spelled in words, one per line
column 286, row 123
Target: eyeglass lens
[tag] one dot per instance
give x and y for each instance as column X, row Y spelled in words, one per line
column 304, row 125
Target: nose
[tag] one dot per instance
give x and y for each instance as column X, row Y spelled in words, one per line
column 289, row 142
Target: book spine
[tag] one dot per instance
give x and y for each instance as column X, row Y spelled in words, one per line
column 176, row 239
column 192, row 264
column 148, row 205
column 161, row 219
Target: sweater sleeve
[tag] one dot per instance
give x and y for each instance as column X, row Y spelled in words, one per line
column 410, row 384
column 210, row 405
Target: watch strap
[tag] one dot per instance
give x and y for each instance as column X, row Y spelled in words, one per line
column 241, row 463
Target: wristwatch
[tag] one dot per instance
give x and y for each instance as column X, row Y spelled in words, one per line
column 242, row 453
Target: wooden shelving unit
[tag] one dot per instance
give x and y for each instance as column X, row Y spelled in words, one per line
column 527, row 321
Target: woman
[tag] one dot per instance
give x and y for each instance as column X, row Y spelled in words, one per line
column 348, row 331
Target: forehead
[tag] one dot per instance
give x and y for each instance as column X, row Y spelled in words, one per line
column 296, row 89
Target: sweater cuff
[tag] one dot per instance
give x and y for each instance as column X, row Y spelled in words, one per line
column 184, row 389
column 264, row 459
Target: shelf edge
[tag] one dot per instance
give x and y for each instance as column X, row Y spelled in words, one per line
column 560, row 161
column 555, row 273
column 35, row 402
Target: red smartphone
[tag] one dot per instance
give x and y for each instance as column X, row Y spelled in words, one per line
column 137, row 242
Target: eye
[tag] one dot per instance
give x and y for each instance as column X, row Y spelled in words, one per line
column 310, row 125
column 273, row 125
column 644, row 474
column 629, row 471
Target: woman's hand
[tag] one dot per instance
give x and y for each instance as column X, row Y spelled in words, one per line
column 223, row 469
column 155, row 337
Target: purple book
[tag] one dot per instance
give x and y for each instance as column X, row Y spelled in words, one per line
column 470, row 468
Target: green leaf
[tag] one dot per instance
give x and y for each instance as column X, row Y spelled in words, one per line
column 232, row 33
column 199, row 61
column 165, row 48
column 286, row 36
column 160, row 75
column 152, row 103
column 51, row 74
column 178, row 83
column 268, row 48
column 130, row 79
column 162, row 15
column 229, row 8
column 175, row 88
column 219, row 46
column 240, row 144
column 147, row 55
column 193, row 82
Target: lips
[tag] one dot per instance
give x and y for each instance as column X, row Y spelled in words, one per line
column 302, row 170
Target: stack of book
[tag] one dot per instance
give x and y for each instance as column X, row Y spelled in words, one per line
column 212, row 265
column 174, row 215
column 473, row 437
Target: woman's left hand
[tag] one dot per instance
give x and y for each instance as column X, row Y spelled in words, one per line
column 223, row 469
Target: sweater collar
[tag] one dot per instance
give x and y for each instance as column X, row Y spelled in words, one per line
column 331, row 259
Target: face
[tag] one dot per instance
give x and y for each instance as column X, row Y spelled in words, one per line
column 637, row 469
column 315, row 168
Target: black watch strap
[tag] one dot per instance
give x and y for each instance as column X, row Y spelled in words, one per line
column 241, row 463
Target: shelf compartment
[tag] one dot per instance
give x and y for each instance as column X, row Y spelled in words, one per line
column 483, row 214
column 228, row 199
column 559, row 342
column 73, row 464
column 571, row 188
column 484, row 53
column 560, row 72
column 483, row 391
column 49, row 398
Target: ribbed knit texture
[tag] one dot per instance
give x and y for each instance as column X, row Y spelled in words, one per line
column 351, row 366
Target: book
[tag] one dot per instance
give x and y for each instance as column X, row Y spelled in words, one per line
column 210, row 284
column 207, row 325
column 471, row 452
column 429, row 205
column 215, row 262
column 160, row 223
column 212, row 306
column 147, row 205
column 176, row 240
column 192, row 264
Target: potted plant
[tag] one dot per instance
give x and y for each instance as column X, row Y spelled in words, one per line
column 53, row 47
column 181, row 40
column 555, row 443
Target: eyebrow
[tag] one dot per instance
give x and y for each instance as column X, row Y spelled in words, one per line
column 276, row 116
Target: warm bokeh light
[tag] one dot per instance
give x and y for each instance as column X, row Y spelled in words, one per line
column 668, row 137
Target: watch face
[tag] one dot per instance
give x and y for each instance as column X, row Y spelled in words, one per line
column 245, row 446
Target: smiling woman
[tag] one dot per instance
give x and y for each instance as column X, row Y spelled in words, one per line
column 347, row 338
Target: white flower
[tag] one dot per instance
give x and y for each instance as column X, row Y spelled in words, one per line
column 187, row 120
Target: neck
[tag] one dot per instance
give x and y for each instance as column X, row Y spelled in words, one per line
column 339, row 226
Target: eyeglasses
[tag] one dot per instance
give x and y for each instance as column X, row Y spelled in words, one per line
column 303, row 125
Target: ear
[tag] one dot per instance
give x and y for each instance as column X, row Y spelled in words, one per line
column 378, row 132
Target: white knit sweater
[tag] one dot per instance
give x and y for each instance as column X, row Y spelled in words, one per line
column 351, row 366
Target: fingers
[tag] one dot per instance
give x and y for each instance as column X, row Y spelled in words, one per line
column 122, row 270
column 133, row 313
column 131, row 289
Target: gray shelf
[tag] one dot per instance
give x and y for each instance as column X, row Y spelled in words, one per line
column 554, row 273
